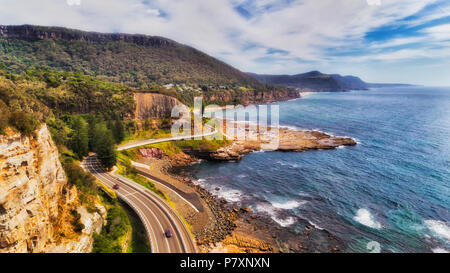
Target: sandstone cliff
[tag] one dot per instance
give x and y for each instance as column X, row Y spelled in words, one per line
column 35, row 198
column 252, row 96
column 150, row 105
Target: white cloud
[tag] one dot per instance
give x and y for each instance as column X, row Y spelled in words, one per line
column 154, row 12
column 397, row 42
column 307, row 30
column 439, row 33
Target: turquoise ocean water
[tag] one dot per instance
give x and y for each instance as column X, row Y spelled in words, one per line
column 393, row 188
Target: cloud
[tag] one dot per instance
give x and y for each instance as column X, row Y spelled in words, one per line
column 439, row 33
column 265, row 36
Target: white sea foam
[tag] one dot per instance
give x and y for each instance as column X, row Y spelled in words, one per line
column 439, row 250
column 200, row 181
column 439, row 229
column 287, row 205
column 197, row 162
column 272, row 212
column 364, row 217
column 315, row 225
column 284, row 222
column 293, row 165
column 293, row 128
column 230, row 195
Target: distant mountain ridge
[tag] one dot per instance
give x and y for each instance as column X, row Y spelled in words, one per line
column 314, row 81
column 320, row 82
column 133, row 59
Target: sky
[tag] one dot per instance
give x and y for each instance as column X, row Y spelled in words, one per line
column 388, row 41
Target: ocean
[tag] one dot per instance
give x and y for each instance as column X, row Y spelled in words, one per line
column 389, row 193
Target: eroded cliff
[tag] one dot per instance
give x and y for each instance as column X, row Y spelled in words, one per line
column 37, row 203
column 150, row 105
column 246, row 97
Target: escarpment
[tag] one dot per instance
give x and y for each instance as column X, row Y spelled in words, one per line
column 150, row 105
column 36, row 201
column 251, row 96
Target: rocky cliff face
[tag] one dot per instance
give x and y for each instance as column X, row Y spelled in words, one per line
column 36, row 32
column 33, row 192
column 251, row 96
column 149, row 105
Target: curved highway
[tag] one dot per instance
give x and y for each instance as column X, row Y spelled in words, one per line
column 155, row 213
column 144, row 142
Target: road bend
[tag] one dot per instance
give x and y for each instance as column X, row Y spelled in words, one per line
column 154, row 212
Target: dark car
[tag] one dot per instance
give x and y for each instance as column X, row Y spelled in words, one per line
column 116, row 186
column 168, row 233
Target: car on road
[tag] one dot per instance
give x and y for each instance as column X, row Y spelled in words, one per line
column 168, row 233
column 116, row 186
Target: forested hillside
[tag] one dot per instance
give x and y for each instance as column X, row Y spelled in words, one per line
column 314, row 81
column 135, row 60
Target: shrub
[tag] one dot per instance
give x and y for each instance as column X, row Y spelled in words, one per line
column 4, row 116
column 23, row 122
column 76, row 222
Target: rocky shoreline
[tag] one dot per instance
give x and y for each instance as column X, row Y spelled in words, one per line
column 236, row 228
column 250, row 139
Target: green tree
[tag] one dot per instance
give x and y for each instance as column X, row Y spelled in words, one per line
column 104, row 146
column 118, row 131
column 80, row 137
column 93, row 121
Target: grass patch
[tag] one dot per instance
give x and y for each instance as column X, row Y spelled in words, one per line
column 112, row 237
column 122, row 221
column 139, row 242
column 105, row 188
column 146, row 134
column 132, row 174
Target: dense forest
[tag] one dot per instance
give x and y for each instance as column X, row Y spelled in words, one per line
column 135, row 60
column 82, row 113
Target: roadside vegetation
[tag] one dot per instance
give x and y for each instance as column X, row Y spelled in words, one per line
column 125, row 169
column 148, row 128
column 115, row 235
column 123, row 232
column 83, row 114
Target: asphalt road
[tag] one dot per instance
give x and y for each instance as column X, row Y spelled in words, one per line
column 144, row 142
column 155, row 213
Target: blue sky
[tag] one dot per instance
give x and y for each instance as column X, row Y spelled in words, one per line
column 379, row 40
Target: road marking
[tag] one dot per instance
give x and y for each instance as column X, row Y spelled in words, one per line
column 168, row 211
column 128, row 194
column 153, row 141
column 105, row 175
column 161, row 184
column 162, row 203
column 145, row 220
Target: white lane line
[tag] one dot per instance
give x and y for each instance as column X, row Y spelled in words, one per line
column 150, row 210
column 153, row 141
column 132, row 193
column 176, row 193
column 136, row 164
column 147, row 223
column 162, row 205
column 162, row 228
